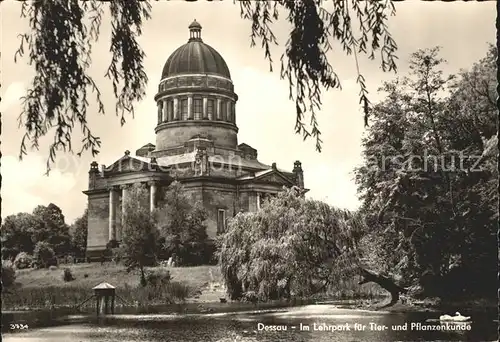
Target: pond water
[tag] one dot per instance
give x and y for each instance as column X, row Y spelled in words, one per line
column 318, row 323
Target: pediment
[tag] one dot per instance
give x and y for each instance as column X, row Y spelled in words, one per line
column 127, row 164
column 274, row 177
column 244, row 146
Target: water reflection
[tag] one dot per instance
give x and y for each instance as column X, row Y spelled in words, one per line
column 256, row 326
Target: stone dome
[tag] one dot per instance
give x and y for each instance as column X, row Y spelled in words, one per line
column 195, row 57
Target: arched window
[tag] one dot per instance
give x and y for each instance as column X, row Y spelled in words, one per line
column 170, row 110
column 184, row 109
column 210, row 109
column 197, row 108
column 221, row 221
column 223, row 116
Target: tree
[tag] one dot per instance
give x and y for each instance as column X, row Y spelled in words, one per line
column 8, row 275
column 79, row 234
column 21, row 232
column 294, row 246
column 17, row 234
column 182, row 224
column 139, row 245
column 61, row 34
column 44, row 255
column 422, row 192
column 54, row 230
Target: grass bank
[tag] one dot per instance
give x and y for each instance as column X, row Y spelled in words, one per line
column 43, row 288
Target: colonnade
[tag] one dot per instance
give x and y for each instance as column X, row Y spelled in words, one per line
column 114, row 195
column 212, row 108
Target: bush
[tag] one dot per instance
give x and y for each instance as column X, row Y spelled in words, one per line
column 159, row 278
column 67, row 275
column 23, row 260
column 8, row 274
column 85, row 275
column 44, row 255
column 116, row 255
column 112, row 244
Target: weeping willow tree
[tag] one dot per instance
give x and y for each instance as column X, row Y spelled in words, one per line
column 61, row 34
column 295, row 247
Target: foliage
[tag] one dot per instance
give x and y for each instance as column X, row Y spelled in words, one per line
column 182, row 224
column 21, row 232
column 44, row 255
column 291, row 247
column 71, row 295
column 17, row 232
column 54, row 229
column 23, row 260
column 8, row 274
column 112, row 244
column 67, row 275
column 139, row 245
column 79, row 231
column 158, row 278
column 430, row 206
column 59, row 46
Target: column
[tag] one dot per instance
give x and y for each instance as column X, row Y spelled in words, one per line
column 152, row 195
column 205, row 114
column 170, row 107
column 165, row 110
column 112, row 214
column 124, row 201
column 164, row 114
column 176, row 108
column 258, row 200
column 228, row 111
column 218, row 110
column 160, row 109
column 190, row 107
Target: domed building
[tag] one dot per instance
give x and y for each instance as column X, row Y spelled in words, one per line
column 196, row 144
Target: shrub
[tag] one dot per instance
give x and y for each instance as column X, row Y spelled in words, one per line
column 44, row 255
column 67, row 275
column 8, row 274
column 112, row 244
column 116, row 254
column 23, row 260
column 178, row 290
column 158, row 278
column 85, row 275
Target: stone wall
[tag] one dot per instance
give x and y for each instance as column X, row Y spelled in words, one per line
column 213, row 200
column 98, row 224
column 176, row 133
column 244, row 201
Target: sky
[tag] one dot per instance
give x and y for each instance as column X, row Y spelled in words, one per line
column 265, row 116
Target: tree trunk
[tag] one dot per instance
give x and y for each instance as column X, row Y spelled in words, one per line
column 386, row 283
column 143, row 277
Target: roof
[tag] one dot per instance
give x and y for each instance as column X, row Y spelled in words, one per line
column 195, row 57
column 191, row 156
column 268, row 176
column 103, row 286
column 195, row 25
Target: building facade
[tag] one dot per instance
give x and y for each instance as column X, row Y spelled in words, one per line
column 196, row 144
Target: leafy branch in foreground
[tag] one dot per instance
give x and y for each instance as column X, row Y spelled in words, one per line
column 59, row 45
column 305, row 63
